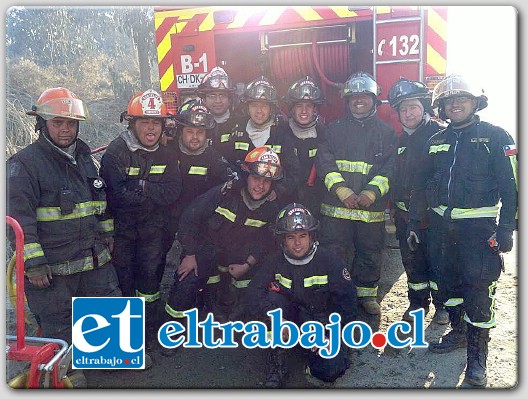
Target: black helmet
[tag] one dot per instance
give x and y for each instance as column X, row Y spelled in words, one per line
column 260, row 89
column 456, row 85
column 216, row 80
column 304, row 90
column 295, row 217
column 360, row 83
column 405, row 89
column 194, row 113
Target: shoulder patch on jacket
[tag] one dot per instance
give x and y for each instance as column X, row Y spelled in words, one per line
column 510, row 149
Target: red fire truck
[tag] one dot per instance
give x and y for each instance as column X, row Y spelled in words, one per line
column 286, row 43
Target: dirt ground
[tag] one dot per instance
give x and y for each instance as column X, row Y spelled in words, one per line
column 371, row 368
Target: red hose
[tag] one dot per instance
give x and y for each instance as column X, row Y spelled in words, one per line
column 320, row 71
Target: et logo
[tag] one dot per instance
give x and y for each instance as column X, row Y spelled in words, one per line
column 108, row 333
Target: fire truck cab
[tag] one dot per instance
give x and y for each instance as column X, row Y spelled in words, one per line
column 286, row 43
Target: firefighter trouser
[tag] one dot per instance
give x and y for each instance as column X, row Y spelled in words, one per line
column 221, row 292
column 420, row 278
column 361, row 246
column 52, row 306
column 325, row 369
column 137, row 258
column 466, row 267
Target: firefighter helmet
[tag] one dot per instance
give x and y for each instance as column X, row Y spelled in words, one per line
column 260, row 89
column 405, row 89
column 263, row 162
column 295, row 217
column 304, row 90
column 59, row 102
column 361, row 83
column 457, row 85
column 216, row 80
column 194, row 113
column 146, row 104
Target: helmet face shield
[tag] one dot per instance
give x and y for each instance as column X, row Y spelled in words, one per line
column 405, row 89
column 219, row 82
column 305, row 90
column 263, row 162
column 197, row 119
column 295, row 217
column 361, row 83
column 194, row 113
column 70, row 108
column 455, row 85
column 216, row 80
column 260, row 90
column 265, row 169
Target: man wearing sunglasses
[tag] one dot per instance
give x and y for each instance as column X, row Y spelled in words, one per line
column 225, row 235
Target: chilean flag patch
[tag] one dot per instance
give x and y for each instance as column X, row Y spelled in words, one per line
column 510, row 150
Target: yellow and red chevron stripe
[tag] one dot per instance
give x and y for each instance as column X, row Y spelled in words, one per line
column 436, row 36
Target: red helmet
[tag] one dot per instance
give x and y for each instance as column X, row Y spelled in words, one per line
column 146, row 104
column 263, row 162
column 59, row 102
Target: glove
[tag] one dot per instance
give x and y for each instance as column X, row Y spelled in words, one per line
column 504, row 239
column 413, row 238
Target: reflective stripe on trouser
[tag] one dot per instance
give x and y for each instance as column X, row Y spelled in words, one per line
column 52, row 305
column 467, row 268
column 416, row 264
column 359, row 244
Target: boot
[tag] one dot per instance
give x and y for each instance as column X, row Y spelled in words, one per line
column 441, row 316
column 77, row 378
column 370, row 305
column 278, row 371
column 477, row 353
column 415, row 304
column 456, row 338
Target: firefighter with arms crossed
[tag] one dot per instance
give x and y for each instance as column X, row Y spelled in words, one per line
column 467, row 169
column 412, row 102
column 225, row 234
column 309, row 283
column 304, row 98
column 55, row 193
column 143, row 180
column 356, row 162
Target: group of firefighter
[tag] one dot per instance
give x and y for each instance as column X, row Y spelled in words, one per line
column 271, row 210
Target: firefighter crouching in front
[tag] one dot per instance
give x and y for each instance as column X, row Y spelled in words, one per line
column 412, row 101
column 308, row 282
column 356, row 162
column 143, row 180
column 468, row 168
column 57, row 196
column 306, row 130
column 225, row 234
